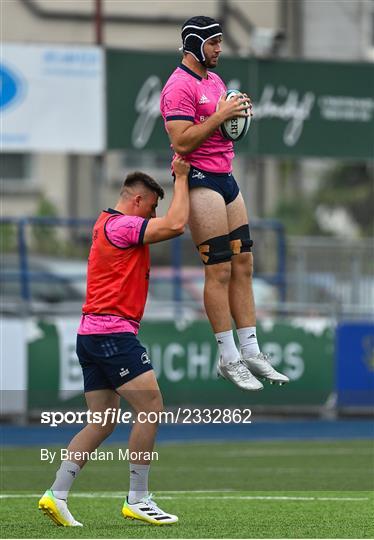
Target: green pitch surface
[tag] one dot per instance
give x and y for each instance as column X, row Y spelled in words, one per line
column 309, row 489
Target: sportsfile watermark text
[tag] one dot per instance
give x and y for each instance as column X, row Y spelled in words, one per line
column 117, row 416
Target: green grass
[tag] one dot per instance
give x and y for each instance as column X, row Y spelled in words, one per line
column 314, row 478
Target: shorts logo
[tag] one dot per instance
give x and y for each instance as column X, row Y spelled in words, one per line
column 203, row 100
column 109, row 347
column 145, row 358
column 124, row 372
column 197, row 174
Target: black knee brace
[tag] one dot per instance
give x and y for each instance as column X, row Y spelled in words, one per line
column 240, row 240
column 215, row 250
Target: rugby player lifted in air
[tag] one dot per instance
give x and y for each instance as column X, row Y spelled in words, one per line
column 193, row 106
column 113, row 362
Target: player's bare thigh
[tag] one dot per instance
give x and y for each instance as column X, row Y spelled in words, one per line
column 236, row 213
column 208, row 217
column 142, row 393
column 100, row 400
column 237, row 216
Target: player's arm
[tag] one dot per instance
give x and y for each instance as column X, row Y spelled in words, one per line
column 175, row 220
column 185, row 136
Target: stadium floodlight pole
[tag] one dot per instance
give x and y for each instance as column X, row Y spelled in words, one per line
column 98, row 22
column 98, row 173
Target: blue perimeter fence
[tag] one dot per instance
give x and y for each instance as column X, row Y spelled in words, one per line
column 25, row 276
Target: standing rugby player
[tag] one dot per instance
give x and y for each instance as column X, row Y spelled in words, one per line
column 113, row 361
column 193, row 106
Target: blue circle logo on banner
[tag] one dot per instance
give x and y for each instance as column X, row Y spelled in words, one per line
column 11, row 87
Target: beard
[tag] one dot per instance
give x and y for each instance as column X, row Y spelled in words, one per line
column 211, row 65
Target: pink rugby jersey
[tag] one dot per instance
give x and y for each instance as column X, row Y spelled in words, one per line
column 187, row 96
column 122, row 231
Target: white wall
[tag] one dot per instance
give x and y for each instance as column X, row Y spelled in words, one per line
column 337, row 29
column 21, row 25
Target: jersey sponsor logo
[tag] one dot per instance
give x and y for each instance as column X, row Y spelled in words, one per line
column 203, row 100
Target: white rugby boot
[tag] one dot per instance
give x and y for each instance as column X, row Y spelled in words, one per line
column 237, row 373
column 57, row 510
column 261, row 367
column 147, row 510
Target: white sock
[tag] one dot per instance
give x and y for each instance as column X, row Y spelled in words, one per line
column 227, row 347
column 65, row 477
column 138, row 482
column 248, row 340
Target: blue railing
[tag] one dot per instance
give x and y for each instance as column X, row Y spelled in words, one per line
column 25, row 276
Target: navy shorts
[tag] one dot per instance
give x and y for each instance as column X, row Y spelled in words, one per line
column 110, row 360
column 224, row 183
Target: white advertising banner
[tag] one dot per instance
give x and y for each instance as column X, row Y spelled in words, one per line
column 70, row 371
column 52, row 99
column 13, row 366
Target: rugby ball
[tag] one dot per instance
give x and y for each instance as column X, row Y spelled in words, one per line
column 236, row 128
